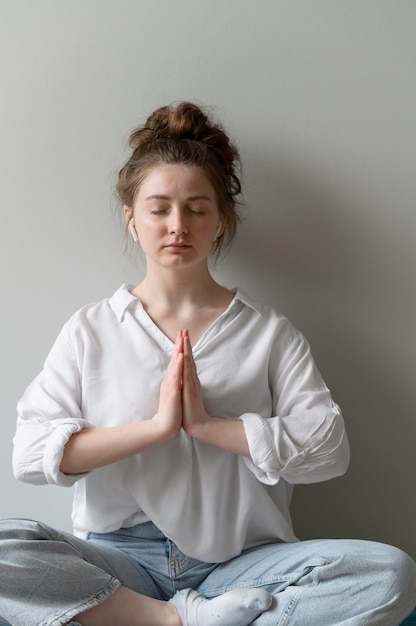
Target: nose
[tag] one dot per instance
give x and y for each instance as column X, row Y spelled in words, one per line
column 178, row 224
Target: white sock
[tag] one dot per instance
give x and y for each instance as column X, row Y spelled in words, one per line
column 238, row 607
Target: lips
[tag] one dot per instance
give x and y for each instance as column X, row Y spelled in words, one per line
column 178, row 246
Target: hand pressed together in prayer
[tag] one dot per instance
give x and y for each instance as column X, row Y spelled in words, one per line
column 181, row 405
column 181, row 402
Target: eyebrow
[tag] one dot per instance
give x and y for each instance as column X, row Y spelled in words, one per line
column 191, row 198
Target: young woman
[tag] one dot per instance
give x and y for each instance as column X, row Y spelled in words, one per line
column 184, row 412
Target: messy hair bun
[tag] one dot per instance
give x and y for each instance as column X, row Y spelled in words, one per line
column 185, row 134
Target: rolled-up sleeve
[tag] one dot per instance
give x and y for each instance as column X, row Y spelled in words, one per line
column 304, row 441
column 49, row 414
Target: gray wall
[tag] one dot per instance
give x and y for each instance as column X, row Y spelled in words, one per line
column 320, row 96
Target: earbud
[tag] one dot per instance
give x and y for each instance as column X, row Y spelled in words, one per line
column 133, row 230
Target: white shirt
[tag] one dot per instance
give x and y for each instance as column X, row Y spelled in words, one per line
column 106, row 368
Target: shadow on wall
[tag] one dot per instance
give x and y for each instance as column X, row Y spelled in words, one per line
column 322, row 263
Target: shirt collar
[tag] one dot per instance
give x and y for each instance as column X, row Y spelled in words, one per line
column 123, row 299
column 243, row 297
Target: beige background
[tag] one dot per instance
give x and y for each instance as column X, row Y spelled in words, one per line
column 321, row 97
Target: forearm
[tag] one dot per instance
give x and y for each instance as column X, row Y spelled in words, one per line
column 93, row 448
column 228, row 434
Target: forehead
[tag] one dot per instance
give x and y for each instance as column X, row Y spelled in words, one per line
column 176, row 180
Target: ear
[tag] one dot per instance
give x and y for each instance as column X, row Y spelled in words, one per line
column 220, row 229
column 128, row 213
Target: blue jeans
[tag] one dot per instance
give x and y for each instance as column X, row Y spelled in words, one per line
column 47, row 577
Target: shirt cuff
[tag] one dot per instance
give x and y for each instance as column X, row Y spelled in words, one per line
column 259, row 447
column 54, row 451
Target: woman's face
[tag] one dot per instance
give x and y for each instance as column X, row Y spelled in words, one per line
column 176, row 215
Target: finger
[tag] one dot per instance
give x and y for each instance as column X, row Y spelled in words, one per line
column 189, row 364
column 187, row 350
column 178, row 347
column 191, row 382
column 174, row 373
column 177, row 351
column 188, row 354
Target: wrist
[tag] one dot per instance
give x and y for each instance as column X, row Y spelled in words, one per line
column 161, row 430
column 199, row 430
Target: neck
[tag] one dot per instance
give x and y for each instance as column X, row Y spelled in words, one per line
column 177, row 288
